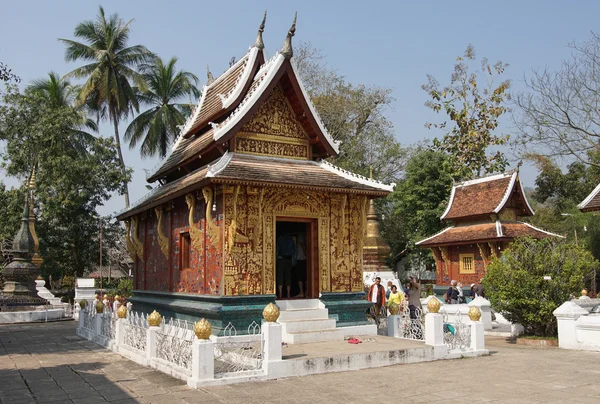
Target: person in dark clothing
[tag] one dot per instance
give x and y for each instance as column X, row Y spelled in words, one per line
column 286, row 259
column 472, row 293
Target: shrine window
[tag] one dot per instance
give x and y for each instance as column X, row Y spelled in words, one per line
column 467, row 263
column 184, row 251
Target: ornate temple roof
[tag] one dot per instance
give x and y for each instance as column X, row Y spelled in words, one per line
column 592, row 202
column 485, row 196
column 229, row 101
column 237, row 168
column 484, row 232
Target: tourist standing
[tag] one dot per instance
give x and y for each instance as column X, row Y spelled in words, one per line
column 300, row 268
column 377, row 295
column 449, row 292
column 395, row 297
column 389, row 289
column 454, row 295
column 479, row 289
column 472, row 293
column 414, row 297
column 461, row 296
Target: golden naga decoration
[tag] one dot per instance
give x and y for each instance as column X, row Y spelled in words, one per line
column 196, row 235
column 483, row 252
column 433, row 305
column 130, row 245
column 271, row 313
column 99, row 307
column 82, row 304
column 122, row 312
column 154, row 319
column 214, row 233
column 163, row 241
column 474, row 313
column 139, row 246
column 202, row 329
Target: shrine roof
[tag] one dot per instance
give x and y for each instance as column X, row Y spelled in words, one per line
column 485, row 196
column 484, row 232
column 231, row 99
column 237, row 168
column 592, row 202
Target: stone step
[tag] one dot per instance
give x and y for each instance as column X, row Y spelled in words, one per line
column 307, row 325
column 298, row 304
column 307, row 337
column 303, row 314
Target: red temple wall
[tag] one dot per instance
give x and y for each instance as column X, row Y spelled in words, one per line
column 445, row 275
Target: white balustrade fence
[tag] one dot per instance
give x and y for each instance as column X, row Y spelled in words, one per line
column 579, row 324
column 173, row 348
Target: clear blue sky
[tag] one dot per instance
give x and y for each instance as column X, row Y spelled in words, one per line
column 385, row 43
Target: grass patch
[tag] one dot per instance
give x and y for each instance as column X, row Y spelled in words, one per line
column 537, row 337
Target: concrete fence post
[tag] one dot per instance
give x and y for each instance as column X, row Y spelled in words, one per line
column 477, row 336
column 203, row 362
column 118, row 334
column 434, row 334
column 272, row 335
column 151, row 342
column 393, row 323
column 567, row 315
column 486, row 311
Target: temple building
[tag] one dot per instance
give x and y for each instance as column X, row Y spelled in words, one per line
column 592, row 202
column 248, row 167
column 485, row 217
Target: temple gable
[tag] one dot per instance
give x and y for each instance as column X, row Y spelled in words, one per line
column 274, row 130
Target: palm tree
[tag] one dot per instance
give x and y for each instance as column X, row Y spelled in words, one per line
column 110, row 76
column 60, row 93
column 156, row 128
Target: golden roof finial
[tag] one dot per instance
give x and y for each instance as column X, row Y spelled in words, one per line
column 286, row 49
column 32, row 179
column 259, row 39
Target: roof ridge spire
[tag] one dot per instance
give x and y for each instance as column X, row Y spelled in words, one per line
column 209, row 77
column 286, row 49
column 259, row 44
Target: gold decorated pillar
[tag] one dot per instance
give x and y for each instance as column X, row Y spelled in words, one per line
column 36, row 259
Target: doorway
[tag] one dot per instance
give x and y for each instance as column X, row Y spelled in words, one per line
column 301, row 231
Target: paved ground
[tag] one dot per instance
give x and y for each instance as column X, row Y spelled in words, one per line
column 42, row 363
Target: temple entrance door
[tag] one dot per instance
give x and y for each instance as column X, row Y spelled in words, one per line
column 304, row 274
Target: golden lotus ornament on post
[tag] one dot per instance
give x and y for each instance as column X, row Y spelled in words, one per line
column 474, row 313
column 271, row 313
column 202, row 329
column 154, row 319
column 433, row 305
column 584, row 292
column 394, row 309
column 82, row 304
column 117, row 298
column 99, row 307
column 122, row 312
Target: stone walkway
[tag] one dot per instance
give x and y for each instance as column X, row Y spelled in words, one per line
column 41, row 363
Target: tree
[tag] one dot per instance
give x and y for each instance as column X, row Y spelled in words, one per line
column 58, row 93
column 515, row 283
column 157, row 127
column 111, row 68
column 355, row 116
column 7, row 75
column 70, row 185
column 474, row 110
column 559, row 115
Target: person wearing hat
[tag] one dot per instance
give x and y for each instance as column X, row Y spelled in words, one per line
column 472, row 293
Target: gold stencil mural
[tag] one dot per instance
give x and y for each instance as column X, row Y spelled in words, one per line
column 196, row 236
column 274, row 130
column 163, row 240
column 250, row 217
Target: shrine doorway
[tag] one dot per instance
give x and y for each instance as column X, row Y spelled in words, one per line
column 303, row 274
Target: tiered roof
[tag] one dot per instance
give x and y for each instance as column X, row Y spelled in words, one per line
column 477, row 206
column 202, row 153
column 227, row 102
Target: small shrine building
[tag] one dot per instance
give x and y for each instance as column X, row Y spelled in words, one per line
column 485, row 215
column 248, row 166
column 592, row 202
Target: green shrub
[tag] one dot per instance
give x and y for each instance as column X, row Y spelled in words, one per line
column 125, row 287
column 516, row 287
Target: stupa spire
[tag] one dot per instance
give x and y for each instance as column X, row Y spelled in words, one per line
column 259, row 39
column 286, row 49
